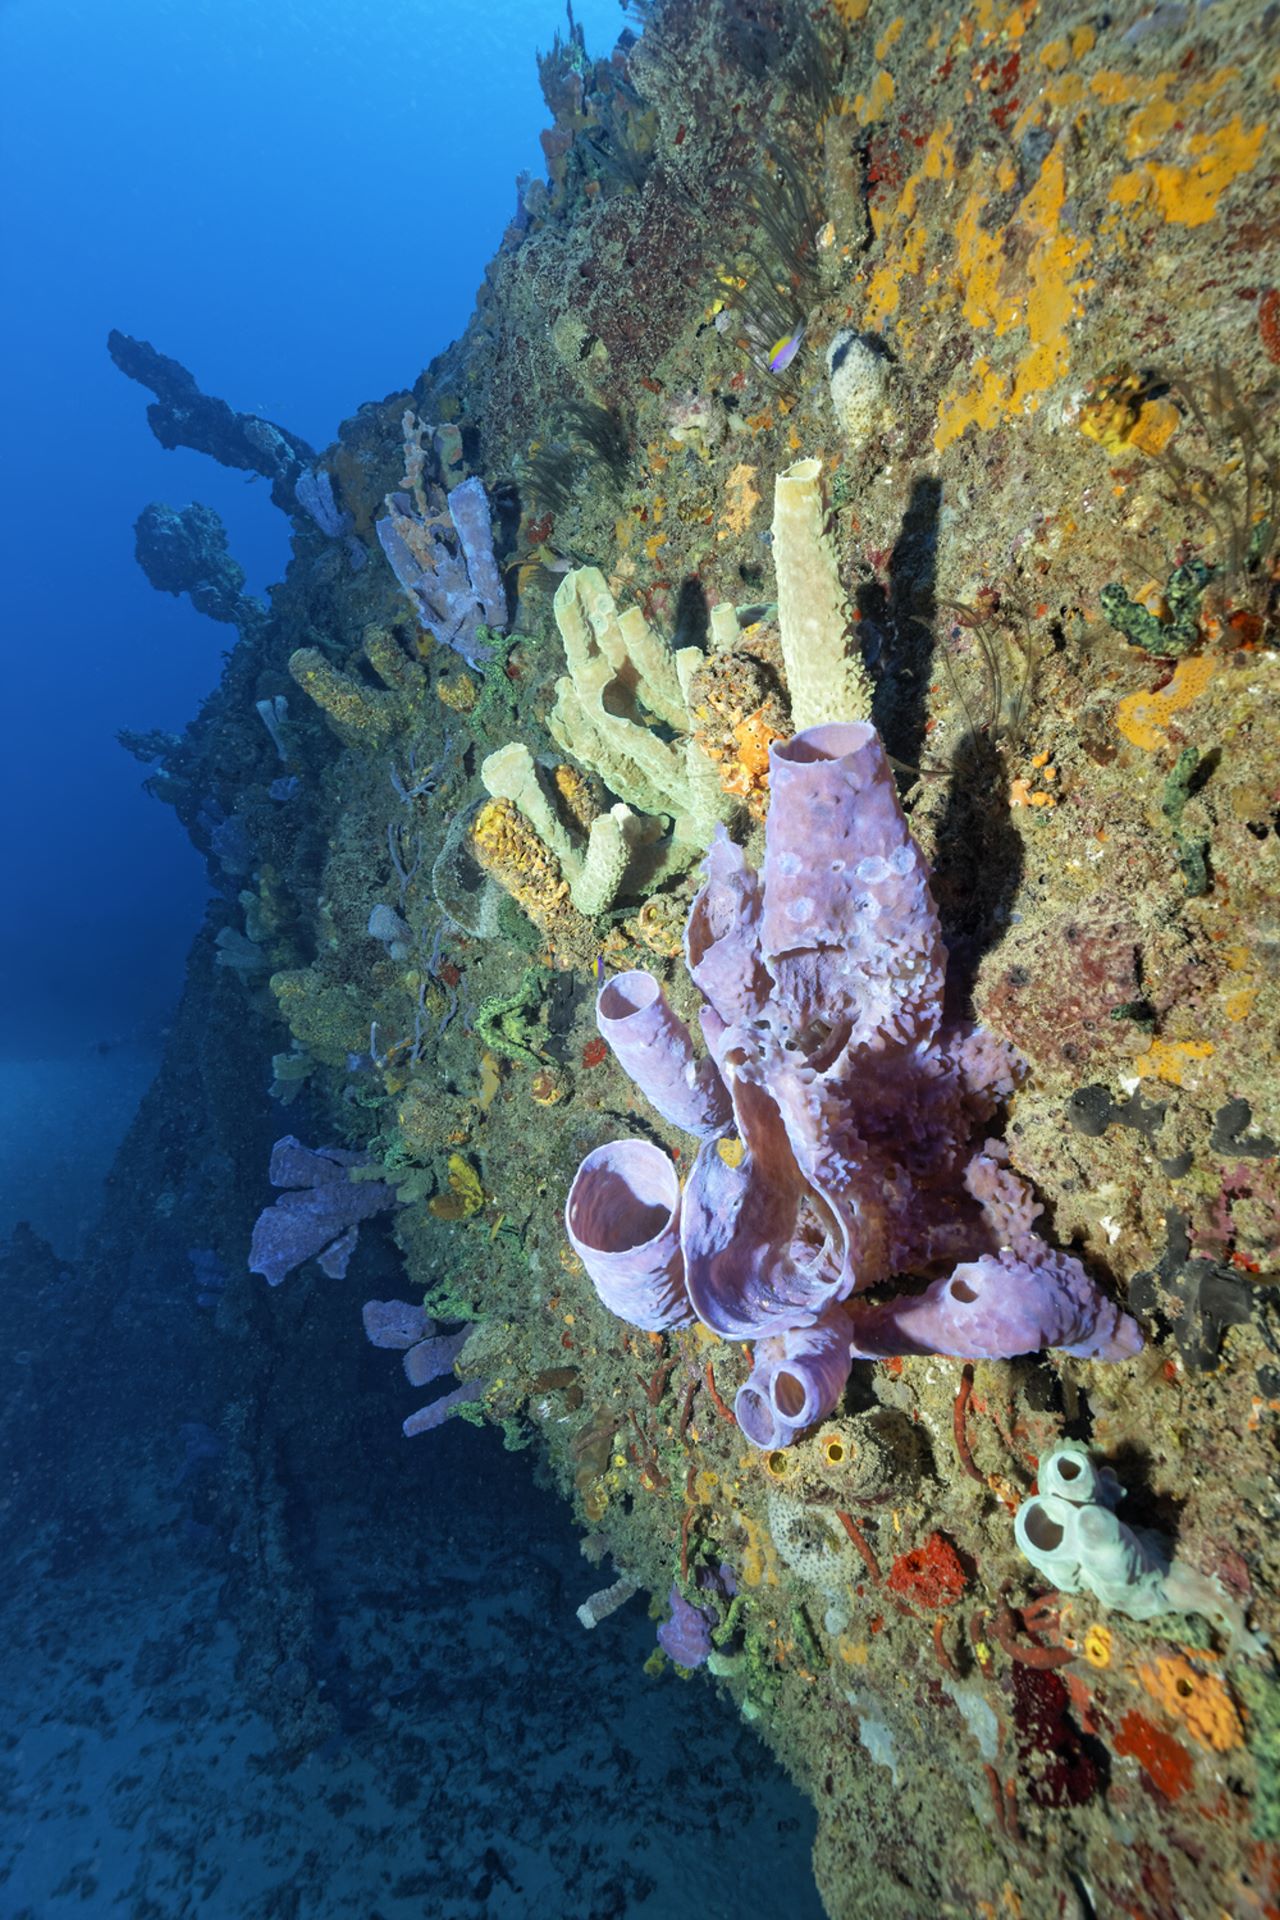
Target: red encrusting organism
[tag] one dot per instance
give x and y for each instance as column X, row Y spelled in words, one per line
column 932, row 1575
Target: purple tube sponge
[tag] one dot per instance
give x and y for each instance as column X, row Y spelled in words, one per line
column 757, row 1256
column 437, row 1411
column 313, row 490
column 999, row 1305
column 654, row 1047
column 454, row 583
column 722, row 937
column 469, row 511
column 850, row 934
column 320, row 1216
column 686, row 1636
column 861, row 1113
column 429, row 1359
column 623, row 1222
column 428, row 1356
column 797, row 1379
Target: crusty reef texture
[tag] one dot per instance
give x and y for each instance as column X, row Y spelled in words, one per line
column 1055, row 239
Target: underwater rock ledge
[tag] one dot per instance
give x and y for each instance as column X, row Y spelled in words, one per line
column 996, row 287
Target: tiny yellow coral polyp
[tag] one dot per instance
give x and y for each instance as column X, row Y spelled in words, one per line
column 1096, row 1645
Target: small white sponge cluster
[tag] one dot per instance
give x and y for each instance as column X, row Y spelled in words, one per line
column 861, row 377
column 1070, row 1533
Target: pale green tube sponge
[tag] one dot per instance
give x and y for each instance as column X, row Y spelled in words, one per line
column 622, row 676
column 826, row 678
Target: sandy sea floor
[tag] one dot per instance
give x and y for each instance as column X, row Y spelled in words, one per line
column 494, row 1758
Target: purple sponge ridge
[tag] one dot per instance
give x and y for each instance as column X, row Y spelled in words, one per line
column 320, row 1217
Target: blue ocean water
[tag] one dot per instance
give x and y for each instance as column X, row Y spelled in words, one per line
column 297, row 199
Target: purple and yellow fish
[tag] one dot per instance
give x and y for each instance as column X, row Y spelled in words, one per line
column 785, row 350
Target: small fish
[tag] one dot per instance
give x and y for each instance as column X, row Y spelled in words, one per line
column 785, row 351
column 599, row 969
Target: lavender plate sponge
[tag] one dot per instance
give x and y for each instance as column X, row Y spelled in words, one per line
column 320, row 1213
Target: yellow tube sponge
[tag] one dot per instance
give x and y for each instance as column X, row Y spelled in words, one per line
column 595, row 877
column 358, row 712
column 826, row 678
column 362, row 712
column 622, row 674
column 511, row 852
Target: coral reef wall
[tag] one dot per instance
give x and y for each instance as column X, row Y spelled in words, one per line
column 1008, row 274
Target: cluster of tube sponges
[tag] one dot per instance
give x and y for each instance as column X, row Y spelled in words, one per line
column 624, row 710
column 1071, row 1533
column 842, row 1115
column 621, row 711
column 842, row 1119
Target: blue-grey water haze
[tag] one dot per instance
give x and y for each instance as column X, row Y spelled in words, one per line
column 297, row 200
column 263, row 1656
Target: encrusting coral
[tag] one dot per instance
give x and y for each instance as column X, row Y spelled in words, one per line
column 740, row 708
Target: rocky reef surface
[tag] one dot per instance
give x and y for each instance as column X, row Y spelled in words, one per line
column 975, row 309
